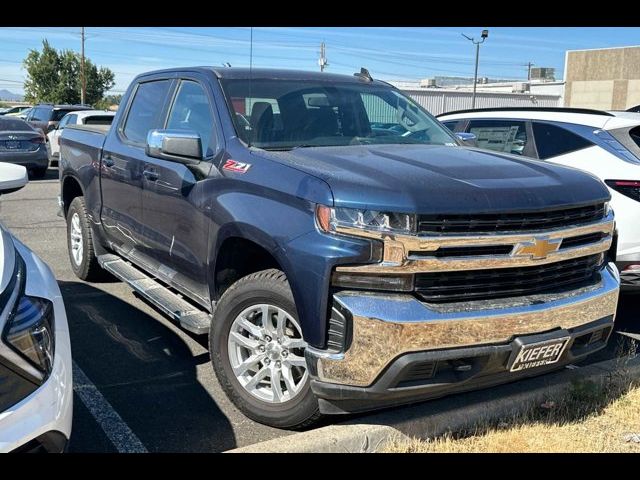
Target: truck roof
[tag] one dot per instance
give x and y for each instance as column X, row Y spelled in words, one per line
column 268, row 73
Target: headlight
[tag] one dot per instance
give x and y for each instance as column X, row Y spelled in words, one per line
column 28, row 329
column 329, row 219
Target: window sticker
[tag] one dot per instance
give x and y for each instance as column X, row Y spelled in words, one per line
column 500, row 139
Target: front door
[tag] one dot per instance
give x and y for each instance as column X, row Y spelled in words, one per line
column 123, row 161
column 175, row 225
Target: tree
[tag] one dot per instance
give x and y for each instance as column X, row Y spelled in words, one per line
column 55, row 77
column 108, row 101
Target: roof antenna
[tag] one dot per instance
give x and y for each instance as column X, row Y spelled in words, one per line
column 364, row 75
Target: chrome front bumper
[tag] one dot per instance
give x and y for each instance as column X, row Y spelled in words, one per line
column 385, row 326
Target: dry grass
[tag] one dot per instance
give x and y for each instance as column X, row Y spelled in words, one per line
column 589, row 418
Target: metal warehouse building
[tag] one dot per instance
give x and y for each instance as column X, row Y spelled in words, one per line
column 440, row 100
column 606, row 78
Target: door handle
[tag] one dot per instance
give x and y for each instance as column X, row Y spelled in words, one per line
column 107, row 161
column 150, row 175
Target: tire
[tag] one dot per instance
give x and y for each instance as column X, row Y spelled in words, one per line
column 39, row 172
column 87, row 268
column 266, row 288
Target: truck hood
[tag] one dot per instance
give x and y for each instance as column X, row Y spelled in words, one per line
column 430, row 179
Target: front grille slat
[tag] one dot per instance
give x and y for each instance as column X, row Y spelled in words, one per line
column 489, row 223
column 506, row 282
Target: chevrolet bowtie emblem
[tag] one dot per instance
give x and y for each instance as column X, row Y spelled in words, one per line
column 538, row 249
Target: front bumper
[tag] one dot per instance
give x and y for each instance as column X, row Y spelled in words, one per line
column 385, row 328
column 42, row 420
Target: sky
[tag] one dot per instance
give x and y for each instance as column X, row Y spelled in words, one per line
column 389, row 53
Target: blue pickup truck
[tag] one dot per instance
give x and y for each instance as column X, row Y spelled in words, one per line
column 341, row 248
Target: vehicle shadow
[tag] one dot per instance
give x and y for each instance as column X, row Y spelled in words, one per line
column 476, row 412
column 52, row 174
column 145, row 371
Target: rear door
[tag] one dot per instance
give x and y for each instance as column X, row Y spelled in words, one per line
column 123, row 161
column 175, row 225
column 54, row 135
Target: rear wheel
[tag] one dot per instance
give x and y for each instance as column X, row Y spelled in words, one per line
column 80, row 243
column 257, row 350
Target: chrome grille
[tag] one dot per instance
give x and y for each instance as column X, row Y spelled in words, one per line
column 507, row 282
column 510, row 222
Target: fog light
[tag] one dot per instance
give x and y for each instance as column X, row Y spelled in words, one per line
column 401, row 283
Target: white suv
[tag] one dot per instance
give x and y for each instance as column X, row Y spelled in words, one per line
column 605, row 144
column 79, row 117
column 36, row 391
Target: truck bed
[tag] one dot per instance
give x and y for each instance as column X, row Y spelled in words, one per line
column 84, row 142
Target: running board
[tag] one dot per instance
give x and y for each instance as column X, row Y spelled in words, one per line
column 190, row 317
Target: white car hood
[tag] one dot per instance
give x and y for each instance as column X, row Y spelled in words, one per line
column 7, row 258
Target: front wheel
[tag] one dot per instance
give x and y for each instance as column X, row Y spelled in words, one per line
column 257, row 350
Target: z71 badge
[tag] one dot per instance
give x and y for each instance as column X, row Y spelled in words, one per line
column 234, row 166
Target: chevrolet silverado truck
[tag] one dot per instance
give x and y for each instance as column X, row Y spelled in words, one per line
column 342, row 249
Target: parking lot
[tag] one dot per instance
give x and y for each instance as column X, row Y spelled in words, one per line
column 141, row 382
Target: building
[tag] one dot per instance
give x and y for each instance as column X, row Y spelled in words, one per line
column 438, row 100
column 442, row 100
column 605, row 79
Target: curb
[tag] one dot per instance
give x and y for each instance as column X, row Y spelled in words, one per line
column 449, row 414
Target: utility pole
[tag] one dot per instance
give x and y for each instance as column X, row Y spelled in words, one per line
column 483, row 37
column 529, row 65
column 83, row 83
column 322, row 61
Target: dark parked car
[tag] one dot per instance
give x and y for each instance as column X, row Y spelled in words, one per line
column 46, row 116
column 22, row 144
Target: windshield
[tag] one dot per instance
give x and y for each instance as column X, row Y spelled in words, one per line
column 286, row 114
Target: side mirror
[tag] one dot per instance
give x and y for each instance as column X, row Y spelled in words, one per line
column 51, row 127
column 182, row 146
column 468, row 138
column 12, row 177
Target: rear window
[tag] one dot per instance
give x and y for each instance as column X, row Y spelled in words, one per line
column 552, row 140
column 98, row 120
column 145, row 111
column 58, row 114
column 14, row 125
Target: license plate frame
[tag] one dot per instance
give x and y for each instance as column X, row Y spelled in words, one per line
column 537, row 354
column 12, row 144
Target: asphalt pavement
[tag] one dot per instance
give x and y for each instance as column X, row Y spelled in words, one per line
column 142, row 382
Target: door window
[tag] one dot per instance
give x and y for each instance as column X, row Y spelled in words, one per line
column 191, row 111
column 500, row 135
column 552, row 140
column 40, row 114
column 146, row 109
column 68, row 119
column 451, row 124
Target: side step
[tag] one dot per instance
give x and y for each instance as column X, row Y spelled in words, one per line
column 189, row 317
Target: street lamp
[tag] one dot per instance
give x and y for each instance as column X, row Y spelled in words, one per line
column 483, row 37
